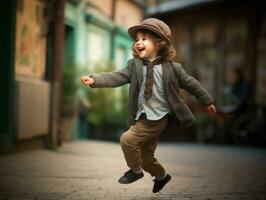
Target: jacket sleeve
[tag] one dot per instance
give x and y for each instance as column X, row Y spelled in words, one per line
column 192, row 86
column 112, row 79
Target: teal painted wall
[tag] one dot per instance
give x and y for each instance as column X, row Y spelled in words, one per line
column 100, row 50
column 71, row 20
column 84, row 24
column 122, row 40
column 92, row 42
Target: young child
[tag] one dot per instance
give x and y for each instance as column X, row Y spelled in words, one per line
column 153, row 95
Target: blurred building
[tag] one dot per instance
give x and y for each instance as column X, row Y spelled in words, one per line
column 42, row 43
column 25, row 104
column 95, row 37
column 99, row 29
column 213, row 36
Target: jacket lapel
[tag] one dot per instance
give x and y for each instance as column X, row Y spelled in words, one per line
column 166, row 68
column 139, row 70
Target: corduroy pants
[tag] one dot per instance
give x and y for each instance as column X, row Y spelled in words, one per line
column 139, row 143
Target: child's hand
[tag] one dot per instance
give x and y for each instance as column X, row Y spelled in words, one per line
column 86, row 80
column 211, row 109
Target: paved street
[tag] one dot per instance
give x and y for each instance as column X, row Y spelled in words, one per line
column 87, row 170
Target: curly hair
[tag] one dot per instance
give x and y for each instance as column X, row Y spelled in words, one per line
column 165, row 50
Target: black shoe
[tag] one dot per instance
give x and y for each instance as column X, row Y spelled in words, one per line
column 130, row 177
column 158, row 185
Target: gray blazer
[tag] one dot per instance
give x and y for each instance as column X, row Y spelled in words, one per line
column 174, row 77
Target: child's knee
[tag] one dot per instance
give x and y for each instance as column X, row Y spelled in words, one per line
column 125, row 139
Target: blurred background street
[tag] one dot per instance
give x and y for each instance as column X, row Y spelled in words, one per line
column 59, row 139
column 87, row 170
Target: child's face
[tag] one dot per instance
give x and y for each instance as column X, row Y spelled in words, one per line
column 145, row 46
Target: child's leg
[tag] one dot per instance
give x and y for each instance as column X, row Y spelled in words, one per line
column 151, row 165
column 137, row 135
column 149, row 162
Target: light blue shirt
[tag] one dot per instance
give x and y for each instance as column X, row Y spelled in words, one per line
column 156, row 106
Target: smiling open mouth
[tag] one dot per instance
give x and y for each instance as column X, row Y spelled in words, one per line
column 141, row 49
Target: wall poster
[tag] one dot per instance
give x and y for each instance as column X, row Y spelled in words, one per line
column 30, row 42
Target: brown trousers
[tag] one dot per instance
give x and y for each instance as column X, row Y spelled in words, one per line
column 139, row 143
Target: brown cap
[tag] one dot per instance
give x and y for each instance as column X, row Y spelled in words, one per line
column 155, row 25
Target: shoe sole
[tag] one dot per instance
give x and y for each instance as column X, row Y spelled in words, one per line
column 127, row 182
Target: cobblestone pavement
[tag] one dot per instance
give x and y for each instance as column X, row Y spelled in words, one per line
column 87, row 170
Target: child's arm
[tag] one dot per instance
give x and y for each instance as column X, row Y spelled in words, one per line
column 191, row 85
column 107, row 79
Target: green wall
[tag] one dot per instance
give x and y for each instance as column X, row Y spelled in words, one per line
column 87, row 25
column 122, row 40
